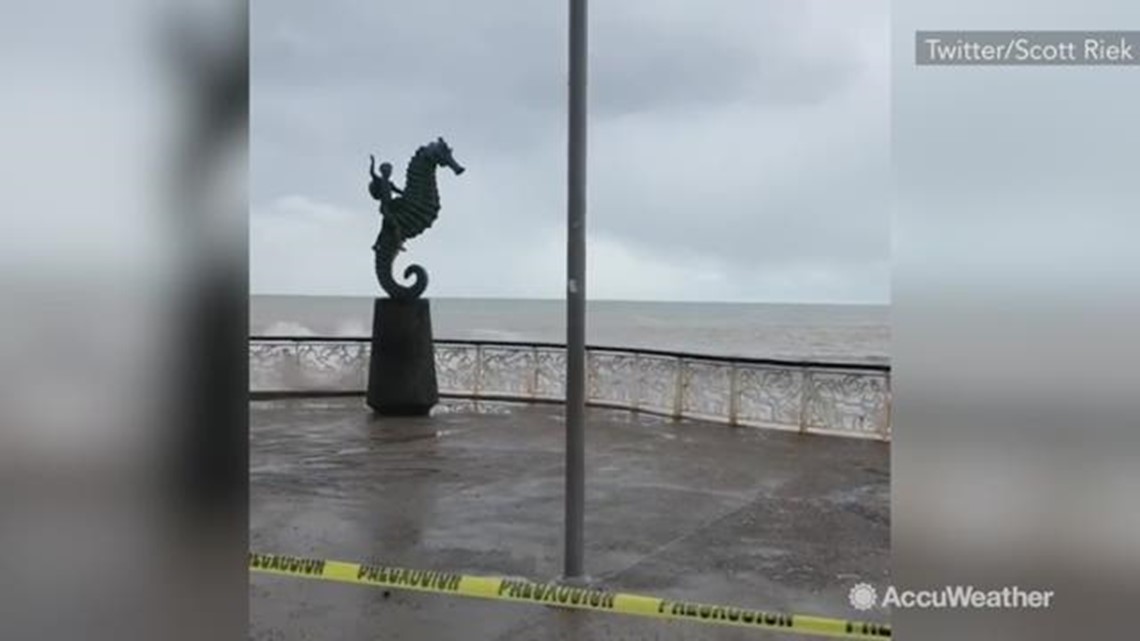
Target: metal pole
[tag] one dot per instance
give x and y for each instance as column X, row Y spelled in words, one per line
column 576, row 295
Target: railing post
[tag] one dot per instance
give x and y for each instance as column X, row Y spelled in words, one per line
column 478, row 372
column 362, row 361
column 885, row 428
column 733, row 394
column 679, row 389
column 636, row 382
column 299, row 371
column 590, row 378
column 805, row 390
column 533, row 382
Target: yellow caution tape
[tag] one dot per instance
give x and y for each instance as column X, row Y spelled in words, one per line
column 560, row 595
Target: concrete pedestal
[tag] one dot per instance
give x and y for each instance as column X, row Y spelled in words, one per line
column 401, row 367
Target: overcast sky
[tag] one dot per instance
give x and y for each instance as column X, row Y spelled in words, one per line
column 738, row 149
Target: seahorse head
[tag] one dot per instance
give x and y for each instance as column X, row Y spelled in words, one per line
column 441, row 153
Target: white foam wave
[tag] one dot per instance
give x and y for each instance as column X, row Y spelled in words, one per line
column 288, row 328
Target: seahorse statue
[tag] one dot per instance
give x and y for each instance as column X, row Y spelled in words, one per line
column 408, row 215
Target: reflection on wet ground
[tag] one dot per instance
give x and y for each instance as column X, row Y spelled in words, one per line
column 678, row 509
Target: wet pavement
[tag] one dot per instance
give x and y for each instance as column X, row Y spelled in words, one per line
column 678, row 509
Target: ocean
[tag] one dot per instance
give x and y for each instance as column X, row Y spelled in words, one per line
column 849, row 333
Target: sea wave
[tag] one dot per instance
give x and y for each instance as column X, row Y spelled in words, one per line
column 288, row 328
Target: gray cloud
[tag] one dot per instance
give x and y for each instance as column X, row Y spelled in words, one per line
column 738, row 137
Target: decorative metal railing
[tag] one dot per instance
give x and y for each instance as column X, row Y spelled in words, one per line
column 831, row 398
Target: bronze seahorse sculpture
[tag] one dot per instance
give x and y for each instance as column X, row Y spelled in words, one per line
column 408, row 214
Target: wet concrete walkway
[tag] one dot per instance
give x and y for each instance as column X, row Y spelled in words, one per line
column 683, row 510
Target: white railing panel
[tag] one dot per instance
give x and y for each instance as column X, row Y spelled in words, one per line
column 706, row 388
column 769, row 395
column 506, row 371
column 551, row 373
column 847, row 402
column 455, row 368
column 656, row 382
column 613, row 378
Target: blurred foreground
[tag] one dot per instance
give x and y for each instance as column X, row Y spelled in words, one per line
column 122, row 285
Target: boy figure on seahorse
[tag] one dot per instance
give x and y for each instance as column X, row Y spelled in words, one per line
column 406, row 213
column 382, row 189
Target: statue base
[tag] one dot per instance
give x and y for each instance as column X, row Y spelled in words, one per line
column 401, row 367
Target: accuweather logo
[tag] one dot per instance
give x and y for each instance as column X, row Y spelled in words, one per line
column 863, row 596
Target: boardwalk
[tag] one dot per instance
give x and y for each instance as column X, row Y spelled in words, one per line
column 684, row 510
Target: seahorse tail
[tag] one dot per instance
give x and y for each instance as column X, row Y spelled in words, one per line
column 386, row 250
column 420, row 280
